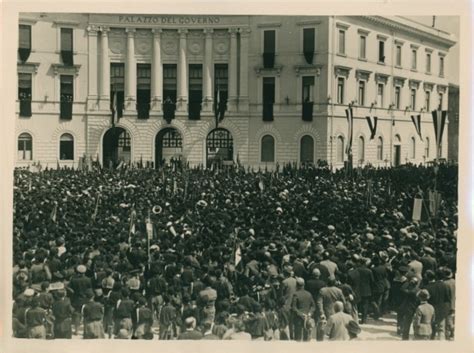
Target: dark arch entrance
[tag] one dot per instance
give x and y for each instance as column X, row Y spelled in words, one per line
column 219, row 147
column 168, row 144
column 116, row 147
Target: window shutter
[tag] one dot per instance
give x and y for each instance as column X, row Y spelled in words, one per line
column 269, row 48
column 308, row 44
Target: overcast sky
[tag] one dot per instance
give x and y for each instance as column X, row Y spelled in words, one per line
column 449, row 24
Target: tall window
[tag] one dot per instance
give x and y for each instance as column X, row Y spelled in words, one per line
column 307, row 98
column 268, row 98
column 307, row 149
column 67, row 96
column 361, row 95
column 441, row 65
column 340, row 149
column 221, row 74
column 397, row 97
column 24, row 94
column 380, row 88
column 440, row 101
column 24, row 45
column 169, row 91
column 308, row 44
column 427, row 100
column 67, row 46
column 269, row 48
column 427, row 147
column 413, row 59
column 362, row 47
column 380, row 148
column 399, row 55
column 195, row 91
column 361, row 150
column 381, row 51
column 413, row 148
column 340, row 90
column 428, row 62
column 413, row 99
column 25, row 147
column 66, row 147
column 143, row 90
column 268, row 149
column 117, row 87
column 342, row 42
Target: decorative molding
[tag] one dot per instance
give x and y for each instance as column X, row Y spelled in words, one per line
column 412, row 83
column 363, row 31
column 428, row 86
column 117, row 43
column 342, row 25
column 261, row 71
column 92, row 30
column 170, row 45
column 308, row 69
column 428, row 50
column 64, row 23
column 221, row 44
column 28, row 68
column 27, row 21
column 60, row 69
column 414, row 46
column 382, row 37
column 245, row 32
column 441, row 88
column 399, row 42
column 363, row 74
column 269, row 25
column 308, row 23
column 340, row 70
column 381, row 77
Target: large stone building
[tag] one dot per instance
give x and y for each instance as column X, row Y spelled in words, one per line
column 280, row 84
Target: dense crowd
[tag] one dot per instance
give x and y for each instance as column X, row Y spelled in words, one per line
column 234, row 254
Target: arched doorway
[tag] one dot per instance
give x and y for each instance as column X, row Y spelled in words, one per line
column 168, row 144
column 397, row 150
column 307, row 149
column 116, row 147
column 219, row 147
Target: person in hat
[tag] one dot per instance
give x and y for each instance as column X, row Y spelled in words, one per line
column 191, row 333
column 409, row 303
column 93, row 314
column 314, row 286
column 337, row 325
column 440, row 298
column 366, row 284
column 79, row 286
column 142, row 320
column 329, row 295
column 207, row 300
column 424, row 317
column 36, row 320
column 451, row 283
column 123, row 312
column 303, row 308
column 62, row 311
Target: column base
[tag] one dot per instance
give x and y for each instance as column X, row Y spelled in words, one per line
column 130, row 104
column 244, row 104
column 104, row 103
column 92, row 103
column 156, row 104
column 182, row 106
column 207, row 105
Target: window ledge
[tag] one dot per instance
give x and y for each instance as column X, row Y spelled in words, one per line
column 342, row 54
column 398, row 67
column 363, row 59
column 65, row 70
column 381, row 63
column 414, row 70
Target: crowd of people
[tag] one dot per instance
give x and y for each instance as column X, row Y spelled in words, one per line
column 231, row 253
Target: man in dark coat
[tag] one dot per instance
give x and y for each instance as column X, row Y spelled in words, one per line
column 79, row 286
column 62, row 312
column 366, row 284
column 440, row 298
column 408, row 305
column 380, row 287
column 314, row 285
column 191, row 333
column 303, row 307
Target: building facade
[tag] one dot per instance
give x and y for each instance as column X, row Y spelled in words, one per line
column 453, row 128
column 258, row 89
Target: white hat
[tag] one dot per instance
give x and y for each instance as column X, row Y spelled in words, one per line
column 81, row 269
column 29, row 292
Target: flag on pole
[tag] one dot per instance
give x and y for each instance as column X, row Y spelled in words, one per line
column 350, row 121
column 439, row 118
column 114, row 108
column 54, row 212
column 133, row 217
column 372, row 121
column 149, row 228
column 417, row 122
column 217, row 104
column 237, row 255
column 96, row 210
column 434, row 202
column 417, row 208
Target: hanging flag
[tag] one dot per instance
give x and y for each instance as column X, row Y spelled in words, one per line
column 237, row 255
column 261, row 186
column 216, row 104
column 149, row 228
column 417, row 122
column 372, row 121
column 175, row 186
column 54, row 212
column 417, row 208
column 439, row 118
column 133, row 216
column 96, row 210
column 435, row 201
column 114, row 108
column 350, row 121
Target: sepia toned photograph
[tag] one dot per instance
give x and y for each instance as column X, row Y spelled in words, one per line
column 235, row 177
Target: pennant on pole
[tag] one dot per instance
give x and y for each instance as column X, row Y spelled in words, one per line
column 114, row 108
column 217, row 104
column 133, row 216
column 350, row 121
column 372, row 121
column 417, row 122
column 54, row 212
column 439, row 118
column 96, row 210
column 237, row 255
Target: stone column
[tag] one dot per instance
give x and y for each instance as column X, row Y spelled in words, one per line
column 244, row 75
column 130, row 72
column 92, row 67
column 156, row 72
column 232, row 99
column 182, row 103
column 208, row 86
column 104, row 85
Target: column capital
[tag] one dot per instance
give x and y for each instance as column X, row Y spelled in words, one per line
column 104, row 30
column 233, row 31
column 130, row 31
column 208, row 32
column 92, row 30
column 182, row 32
column 245, row 31
column 156, row 31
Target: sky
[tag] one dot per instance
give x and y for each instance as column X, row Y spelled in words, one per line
column 449, row 24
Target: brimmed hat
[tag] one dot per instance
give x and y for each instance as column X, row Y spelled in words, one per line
column 81, row 269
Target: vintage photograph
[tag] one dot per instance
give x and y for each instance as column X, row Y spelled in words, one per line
column 235, row 177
